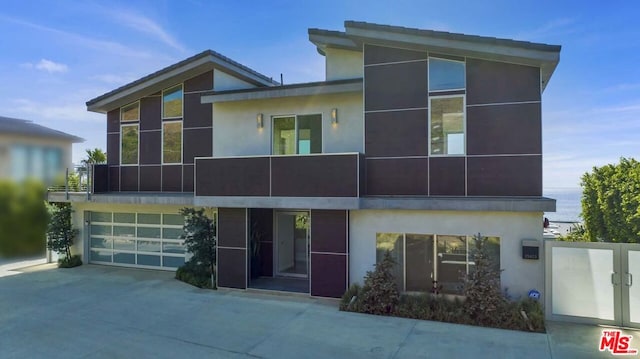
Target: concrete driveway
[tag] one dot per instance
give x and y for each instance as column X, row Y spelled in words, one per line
column 105, row 312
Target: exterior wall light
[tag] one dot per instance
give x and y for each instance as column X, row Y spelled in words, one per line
column 259, row 122
column 334, row 116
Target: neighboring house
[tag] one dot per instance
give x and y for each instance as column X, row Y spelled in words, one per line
column 29, row 150
column 415, row 141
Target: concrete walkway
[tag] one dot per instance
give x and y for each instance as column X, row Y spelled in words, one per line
column 105, row 312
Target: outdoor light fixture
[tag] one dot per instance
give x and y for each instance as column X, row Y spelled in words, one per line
column 259, row 122
column 334, row 116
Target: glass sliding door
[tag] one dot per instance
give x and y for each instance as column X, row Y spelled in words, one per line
column 292, row 247
column 420, row 259
column 297, row 135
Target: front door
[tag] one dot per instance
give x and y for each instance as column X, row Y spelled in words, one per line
column 292, row 244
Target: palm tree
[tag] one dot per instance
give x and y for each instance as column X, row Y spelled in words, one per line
column 94, row 156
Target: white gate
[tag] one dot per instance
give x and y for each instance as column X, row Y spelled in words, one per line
column 593, row 282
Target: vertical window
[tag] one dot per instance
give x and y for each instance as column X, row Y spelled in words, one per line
column 447, row 125
column 297, row 135
column 129, row 144
column 130, row 113
column 172, row 142
column 446, row 75
column 172, row 102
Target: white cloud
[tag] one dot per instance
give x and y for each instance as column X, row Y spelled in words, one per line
column 147, row 26
column 72, row 111
column 48, row 66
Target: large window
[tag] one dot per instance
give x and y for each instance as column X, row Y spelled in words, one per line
column 129, row 144
column 447, row 125
column 172, row 142
column 297, row 134
column 42, row 163
column 424, row 262
column 446, row 75
column 172, row 102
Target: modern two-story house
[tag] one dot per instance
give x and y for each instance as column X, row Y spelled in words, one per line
column 415, row 141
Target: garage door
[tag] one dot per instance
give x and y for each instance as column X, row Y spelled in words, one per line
column 144, row 240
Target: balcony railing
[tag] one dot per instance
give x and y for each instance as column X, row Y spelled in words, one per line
column 87, row 180
column 315, row 175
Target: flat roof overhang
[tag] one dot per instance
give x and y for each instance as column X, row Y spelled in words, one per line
column 294, row 90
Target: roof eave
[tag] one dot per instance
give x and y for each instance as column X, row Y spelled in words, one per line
column 324, row 39
column 547, row 59
column 157, row 83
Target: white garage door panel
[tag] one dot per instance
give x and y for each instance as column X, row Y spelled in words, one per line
column 144, row 240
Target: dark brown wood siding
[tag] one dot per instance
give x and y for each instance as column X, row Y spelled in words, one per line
column 150, row 108
column 504, row 176
column 397, row 176
column 172, row 178
column 380, row 54
column 395, row 86
column 447, row 176
column 129, row 178
column 151, row 178
column 197, row 142
column 314, row 176
column 232, row 177
column 396, row 133
column 499, row 82
column 150, row 147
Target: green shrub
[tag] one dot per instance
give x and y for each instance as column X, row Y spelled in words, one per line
column 380, row 295
column 23, row 218
column 73, row 261
column 350, row 301
column 195, row 274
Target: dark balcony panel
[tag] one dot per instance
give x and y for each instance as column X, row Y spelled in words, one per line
column 129, row 178
column 379, row 54
column 499, row 82
column 151, row 178
column 113, row 120
column 397, row 86
column 447, row 176
column 150, row 147
column 266, row 259
column 362, row 175
column 195, row 113
column 187, row 178
column 232, row 176
column 100, row 178
column 202, row 82
column 403, row 177
column 329, row 231
column 150, row 108
column 314, row 176
column 398, row 133
column 504, row 176
column 113, row 149
column 328, row 275
column 232, row 268
column 232, row 227
column 197, row 143
column 172, row 178
column 114, row 179
column 504, row 129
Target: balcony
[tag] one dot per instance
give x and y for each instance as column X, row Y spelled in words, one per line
column 302, row 181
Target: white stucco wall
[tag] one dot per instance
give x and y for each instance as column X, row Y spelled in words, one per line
column 518, row 275
column 343, row 64
column 81, row 245
column 235, row 132
column 225, row 82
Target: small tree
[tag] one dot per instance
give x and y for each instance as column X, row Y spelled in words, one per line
column 380, row 293
column 484, row 297
column 200, row 239
column 60, row 232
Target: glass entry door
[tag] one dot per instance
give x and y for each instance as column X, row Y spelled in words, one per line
column 292, row 244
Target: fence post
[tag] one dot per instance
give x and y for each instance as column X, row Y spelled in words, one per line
column 66, row 183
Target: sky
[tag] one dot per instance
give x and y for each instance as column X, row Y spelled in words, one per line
column 56, row 55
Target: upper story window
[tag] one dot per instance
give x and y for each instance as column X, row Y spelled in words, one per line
column 129, row 144
column 172, row 102
column 300, row 134
column 447, row 125
column 446, row 75
column 172, row 142
column 130, row 113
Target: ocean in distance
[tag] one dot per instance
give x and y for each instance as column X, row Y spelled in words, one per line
column 568, row 205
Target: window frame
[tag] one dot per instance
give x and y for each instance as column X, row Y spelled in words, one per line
column 181, row 86
column 132, row 124
column 296, row 130
column 464, row 74
column 464, row 125
column 137, row 103
column 181, row 142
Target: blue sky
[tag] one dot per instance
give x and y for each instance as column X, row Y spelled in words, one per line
column 56, row 55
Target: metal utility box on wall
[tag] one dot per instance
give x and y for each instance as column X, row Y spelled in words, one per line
column 530, row 249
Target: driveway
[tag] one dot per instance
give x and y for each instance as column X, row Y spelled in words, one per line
column 105, row 312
